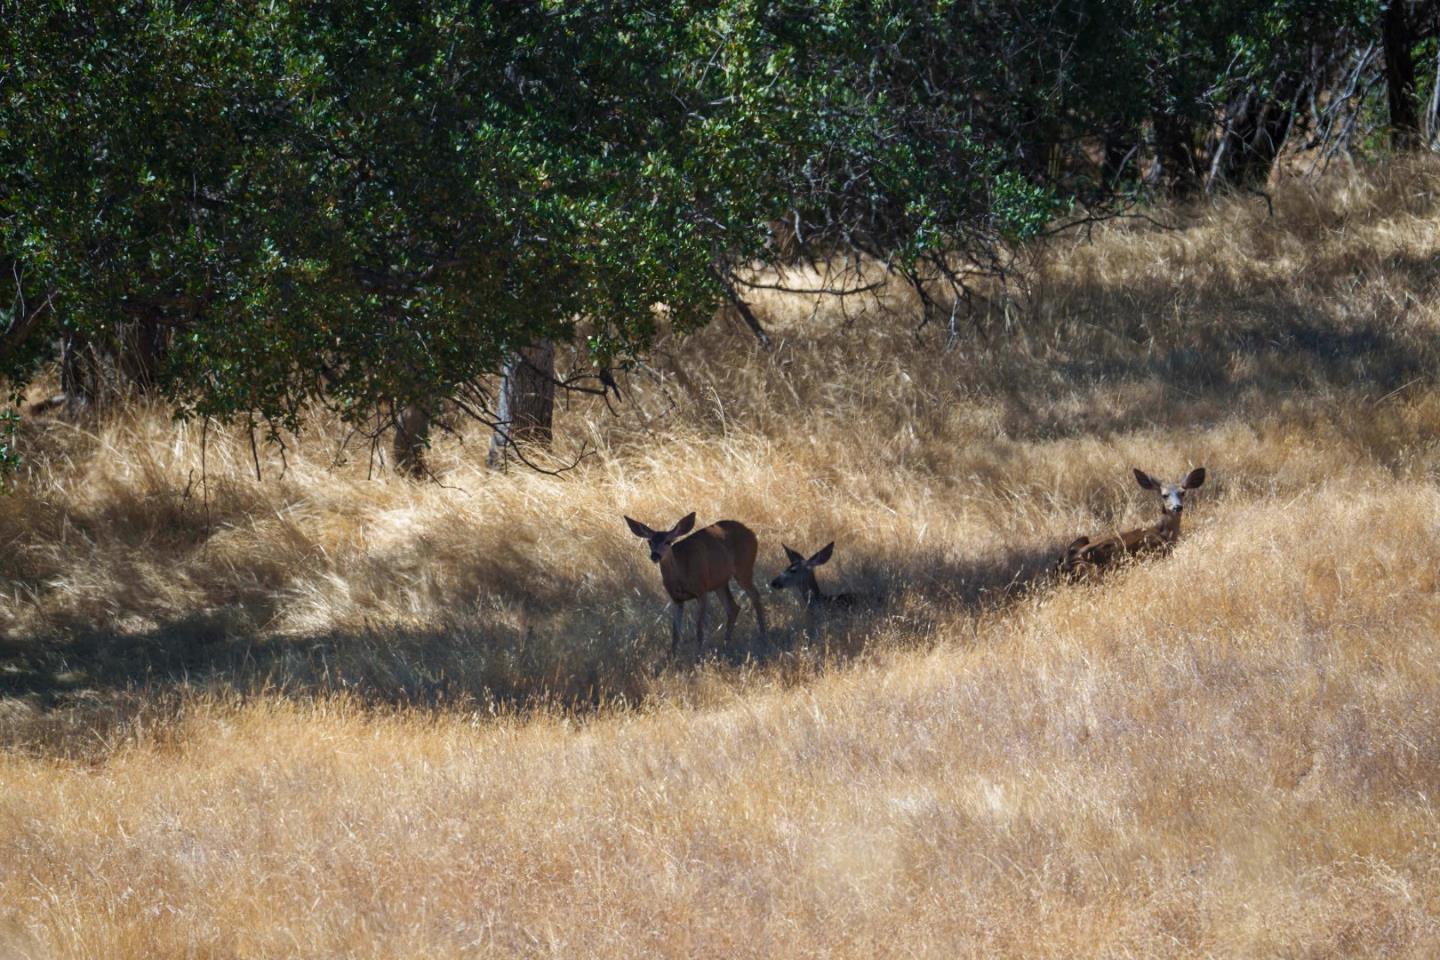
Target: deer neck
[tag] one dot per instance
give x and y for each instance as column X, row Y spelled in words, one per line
column 672, row 575
column 1168, row 529
column 810, row 590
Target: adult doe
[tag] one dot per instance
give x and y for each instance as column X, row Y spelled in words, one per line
column 1086, row 557
column 800, row 575
column 700, row 564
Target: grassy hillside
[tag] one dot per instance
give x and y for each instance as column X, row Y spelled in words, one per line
column 326, row 713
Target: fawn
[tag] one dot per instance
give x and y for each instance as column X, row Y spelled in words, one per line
column 801, row 575
column 1086, row 557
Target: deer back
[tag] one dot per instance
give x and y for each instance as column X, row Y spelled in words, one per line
column 1105, row 551
column 708, row 559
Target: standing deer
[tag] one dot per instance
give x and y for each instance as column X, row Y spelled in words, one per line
column 801, row 575
column 1086, row 557
column 699, row 564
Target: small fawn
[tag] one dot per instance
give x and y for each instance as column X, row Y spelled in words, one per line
column 701, row 564
column 1086, row 557
column 801, row 575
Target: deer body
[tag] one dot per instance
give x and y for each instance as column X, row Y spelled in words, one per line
column 701, row 564
column 1086, row 558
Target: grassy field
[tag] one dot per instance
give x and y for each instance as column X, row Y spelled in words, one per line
column 326, row 714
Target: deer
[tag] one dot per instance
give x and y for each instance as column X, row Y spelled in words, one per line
column 703, row 563
column 1086, row 558
column 800, row 575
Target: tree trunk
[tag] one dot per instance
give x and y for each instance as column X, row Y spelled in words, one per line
column 25, row 315
column 1432, row 112
column 1121, row 145
column 1175, row 151
column 1252, row 133
column 96, row 373
column 412, row 439
column 1266, row 138
column 783, row 239
column 1397, row 32
column 142, row 347
column 527, row 401
column 82, row 379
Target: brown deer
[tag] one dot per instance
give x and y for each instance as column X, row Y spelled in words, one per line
column 1087, row 558
column 702, row 563
column 801, row 576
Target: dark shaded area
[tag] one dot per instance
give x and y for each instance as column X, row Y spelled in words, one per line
column 577, row 661
column 1212, row 351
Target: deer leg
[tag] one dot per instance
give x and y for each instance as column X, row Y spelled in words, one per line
column 749, row 587
column 732, row 610
column 677, row 617
column 700, row 624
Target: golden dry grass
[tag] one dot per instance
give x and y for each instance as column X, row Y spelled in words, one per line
column 323, row 715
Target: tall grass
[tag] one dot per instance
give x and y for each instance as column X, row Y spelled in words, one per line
column 328, row 714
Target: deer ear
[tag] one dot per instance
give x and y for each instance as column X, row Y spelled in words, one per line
column 1144, row 479
column 791, row 555
column 821, row 555
column 683, row 527
column 1194, row 479
column 639, row 529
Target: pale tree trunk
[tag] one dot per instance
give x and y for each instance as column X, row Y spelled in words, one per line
column 1432, row 112
column 412, row 439
column 527, row 401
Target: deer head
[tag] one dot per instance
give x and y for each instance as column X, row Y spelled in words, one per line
column 801, row 572
column 661, row 541
column 1172, row 495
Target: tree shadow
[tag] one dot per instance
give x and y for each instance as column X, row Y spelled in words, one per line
column 1230, row 351
column 570, row 658
column 905, row 602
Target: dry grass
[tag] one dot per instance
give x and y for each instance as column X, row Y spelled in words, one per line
column 324, row 715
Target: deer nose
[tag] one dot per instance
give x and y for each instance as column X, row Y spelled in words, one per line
column 776, row 584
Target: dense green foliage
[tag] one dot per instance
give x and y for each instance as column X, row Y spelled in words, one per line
column 373, row 203
column 352, row 202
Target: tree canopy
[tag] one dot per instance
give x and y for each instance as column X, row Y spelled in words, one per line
column 249, row 207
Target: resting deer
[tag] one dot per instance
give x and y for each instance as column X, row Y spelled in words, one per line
column 1086, row 557
column 801, row 575
column 700, row 564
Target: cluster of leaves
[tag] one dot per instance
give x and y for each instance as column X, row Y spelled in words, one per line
column 361, row 202
column 373, row 203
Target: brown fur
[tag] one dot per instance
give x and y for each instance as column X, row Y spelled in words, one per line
column 702, row 563
column 1085, row 558
column 708, row 559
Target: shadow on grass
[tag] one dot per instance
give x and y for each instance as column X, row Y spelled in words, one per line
column 1210, row 351
column 572, row 659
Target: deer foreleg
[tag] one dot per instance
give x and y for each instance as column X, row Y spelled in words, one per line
column 677, row 617
column 700, row 624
